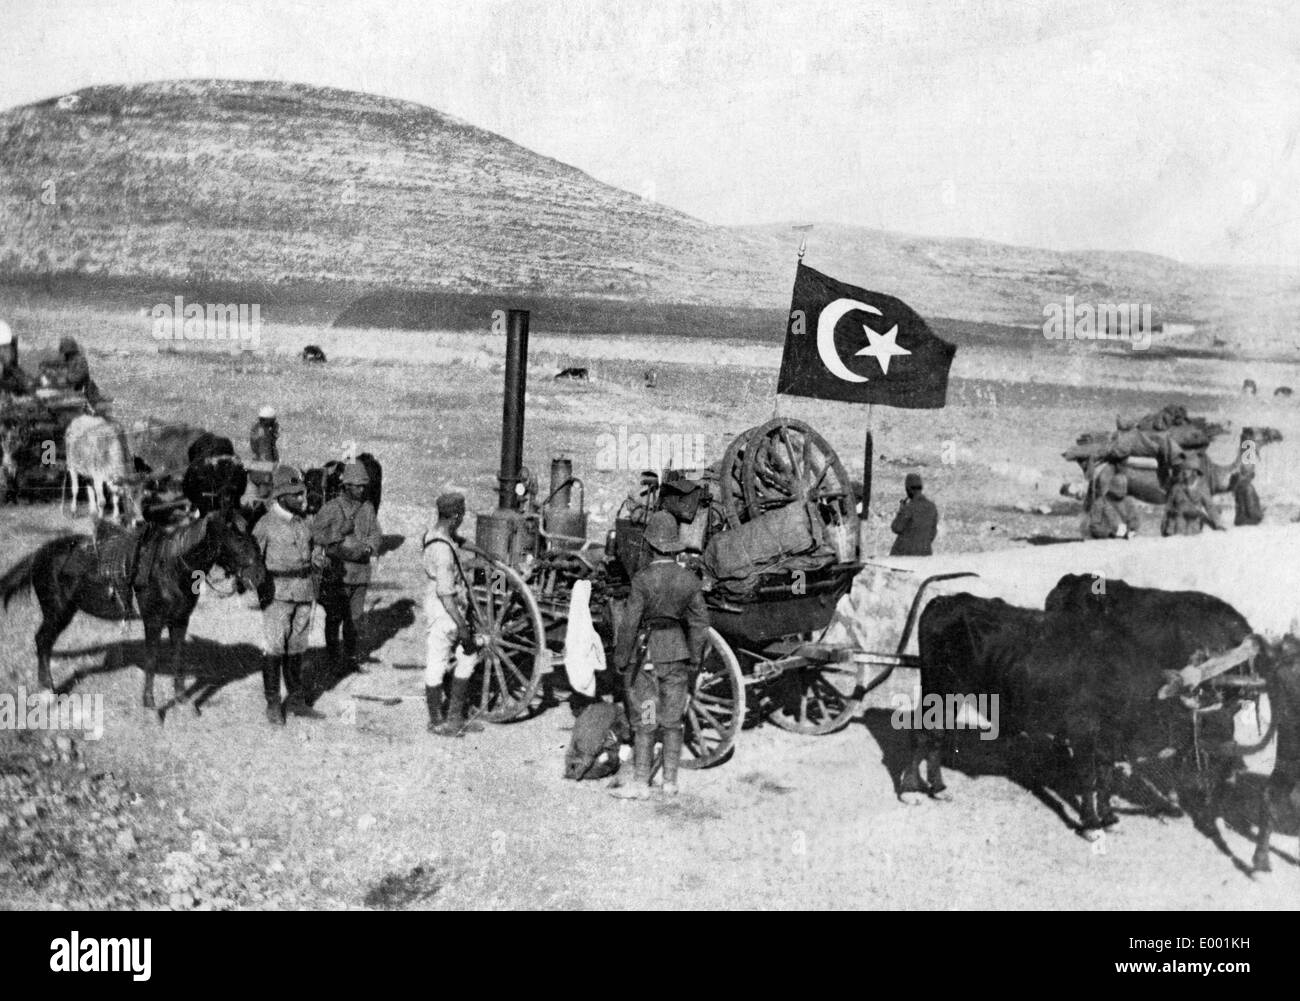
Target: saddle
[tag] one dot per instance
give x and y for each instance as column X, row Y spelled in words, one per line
column 117, row 553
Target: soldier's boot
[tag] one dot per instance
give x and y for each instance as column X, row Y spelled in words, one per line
column 296, row 704
column 643, row 747
column 672, row 758
column 456, row 725
column 433, row 700
column 271, row 689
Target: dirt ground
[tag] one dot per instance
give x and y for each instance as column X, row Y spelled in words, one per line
column 365, row 809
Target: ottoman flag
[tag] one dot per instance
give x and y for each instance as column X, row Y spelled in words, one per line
column 845, row 343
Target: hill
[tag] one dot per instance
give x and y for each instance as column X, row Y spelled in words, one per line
column 276, row 184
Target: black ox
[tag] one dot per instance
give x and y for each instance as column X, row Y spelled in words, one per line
column 1087, row 672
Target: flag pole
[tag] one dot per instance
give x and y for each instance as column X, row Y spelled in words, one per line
column 868, row 450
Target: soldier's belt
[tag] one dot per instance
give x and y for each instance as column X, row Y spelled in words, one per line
column 303, row 572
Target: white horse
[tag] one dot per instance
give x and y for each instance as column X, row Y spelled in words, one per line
column 97, row 449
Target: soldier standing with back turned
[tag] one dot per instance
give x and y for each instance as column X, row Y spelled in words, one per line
column 666, row 610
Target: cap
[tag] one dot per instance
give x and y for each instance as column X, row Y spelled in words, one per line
column 67, row 345
column 912, row 481
column 355, row 474
column 450, row 505
column 267, row 413
column 6, row 334
column 661, row 533
column 286, row 480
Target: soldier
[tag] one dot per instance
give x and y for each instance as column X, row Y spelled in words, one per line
column 1249, row 511
column 1188, row 506
column 284, row 537
column 1115, row 515
column 264, row 436
column 347, row 528
column 263, row 442
column 451, row 647
column 13, row 380
column 917, row 521
column 76, row 370
column 666, row 608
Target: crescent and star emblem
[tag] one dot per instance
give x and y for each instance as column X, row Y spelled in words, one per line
column 880, row 346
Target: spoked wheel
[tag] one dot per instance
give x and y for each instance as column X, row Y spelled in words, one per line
column 513, row 658
column 786, row 461
column 817, row 699
column 716, row 709
column 731, row 485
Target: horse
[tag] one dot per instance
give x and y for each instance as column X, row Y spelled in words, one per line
column 75, row 573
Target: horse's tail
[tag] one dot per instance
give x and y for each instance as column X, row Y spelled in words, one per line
column 19, row 576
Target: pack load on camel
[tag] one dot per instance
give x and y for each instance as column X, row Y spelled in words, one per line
column 1146, row 451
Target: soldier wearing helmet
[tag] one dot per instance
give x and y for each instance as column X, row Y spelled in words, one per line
column 660, row 640
column 347, row 528
column 264, row 436
column 1114, row 515
column 284, row 536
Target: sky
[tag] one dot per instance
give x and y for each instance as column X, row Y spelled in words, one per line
column 1167, row 126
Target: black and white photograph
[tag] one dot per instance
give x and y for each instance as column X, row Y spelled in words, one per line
column 569, row 455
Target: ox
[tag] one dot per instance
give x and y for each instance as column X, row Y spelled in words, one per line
column 1041, row 669
column 1175, row 628
column 97, row 449
column 312, row 353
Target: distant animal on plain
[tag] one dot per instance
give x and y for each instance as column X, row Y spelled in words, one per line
column 97, row 449
column 1249, row 387
column 313, row 353
column 576, row 374
column 651, row 377
column 1282, row 391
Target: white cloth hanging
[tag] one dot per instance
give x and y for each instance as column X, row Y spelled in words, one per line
column 584, row 654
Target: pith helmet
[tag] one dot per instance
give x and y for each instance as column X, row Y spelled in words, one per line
column 661, row 533
column 286, row 480
column 355, row 474
column 6, row 334
column 267, row 413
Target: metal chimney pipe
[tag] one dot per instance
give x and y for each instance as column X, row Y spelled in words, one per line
column 512, row 413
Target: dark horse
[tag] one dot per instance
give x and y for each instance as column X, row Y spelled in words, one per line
column 73, row 573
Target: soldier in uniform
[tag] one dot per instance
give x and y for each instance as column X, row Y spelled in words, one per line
column 917, row 521
column 1115, row 515
column 347, row 528
column 451, row 646
column 284, row 537
column 1188, row 506
column 264, row 436
column 263, row 442
column 1248, row 509
column 665, row 608
column 13, row 380
column 76, row 370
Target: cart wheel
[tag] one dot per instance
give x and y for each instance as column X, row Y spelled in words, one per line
column 513, row 658
column 817, row 699
column 731, row 485
column 716, row 709
column 785, row 460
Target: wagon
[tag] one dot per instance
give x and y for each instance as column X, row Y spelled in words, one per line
column 34, row 428
column 779, row 493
